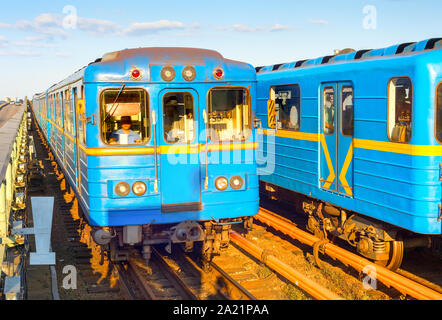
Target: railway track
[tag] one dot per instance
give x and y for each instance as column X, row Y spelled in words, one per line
column 180, row 276
column 402, row 283
column 176, row 277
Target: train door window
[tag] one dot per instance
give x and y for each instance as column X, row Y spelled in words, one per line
column 57, row 109
column 125, row 116
column 178, row 117
column 347, row 110
column 329, row 110
column 439, row 113
column 400, row 102
column 82, row 124
column 229, row 114
column 287, row 106
column 51, row 108
column 68, row 115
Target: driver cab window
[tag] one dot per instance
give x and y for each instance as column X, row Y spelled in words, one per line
column 179, row 117
column 400, row 102
column 287, row 106
column 229, row 114
column 125, row 117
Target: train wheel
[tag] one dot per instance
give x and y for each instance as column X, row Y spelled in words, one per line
column 396, row 256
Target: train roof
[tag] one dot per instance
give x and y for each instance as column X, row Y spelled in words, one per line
column 117, row 66
column 348, row 55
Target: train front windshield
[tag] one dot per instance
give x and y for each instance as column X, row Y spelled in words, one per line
column 229, row 114
column 125, row 117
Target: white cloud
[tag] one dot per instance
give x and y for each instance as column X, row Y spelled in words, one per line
column 62, row 54
column 3, row 41
column 33, row 44
column 279, row 27
column 48, row 24
column 19, row 53
column 96, row 26
column 138, row 28
column 319, row 22
column 5, row 25
column 243, row 28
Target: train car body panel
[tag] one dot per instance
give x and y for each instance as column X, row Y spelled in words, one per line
column 365, row 172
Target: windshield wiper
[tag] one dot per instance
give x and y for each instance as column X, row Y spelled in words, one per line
column 112, row 112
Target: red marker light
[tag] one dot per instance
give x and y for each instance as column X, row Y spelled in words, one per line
column 136, row 73
column 219, row 73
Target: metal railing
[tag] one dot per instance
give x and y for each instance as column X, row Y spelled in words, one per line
column 13, row 159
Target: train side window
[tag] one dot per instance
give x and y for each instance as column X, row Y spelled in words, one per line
column 439, row 113
column 178, row 117
column 287, row 106
column 347, row 110
column 125, row 116
column 229, row 114
column 329, row 110
column 400, row 103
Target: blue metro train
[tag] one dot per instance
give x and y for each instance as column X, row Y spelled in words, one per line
column 158, row 145
column 357, row 137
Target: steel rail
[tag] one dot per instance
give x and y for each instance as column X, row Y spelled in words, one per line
column 124, row 282
column 228, row 288
column 309, row 286
column 384, row 275
column 182, row 288
column 145, row 289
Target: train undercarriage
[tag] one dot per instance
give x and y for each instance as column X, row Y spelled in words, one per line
column 206, row 238
column 380, row 242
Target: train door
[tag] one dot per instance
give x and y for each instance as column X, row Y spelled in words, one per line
column 178, row 141
column 337, row 126
column 63, row 98
column 77, row 139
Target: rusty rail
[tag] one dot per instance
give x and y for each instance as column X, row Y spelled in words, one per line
column 387, row 277
column 309, row 286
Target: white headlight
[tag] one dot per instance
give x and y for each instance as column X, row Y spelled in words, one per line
column 236, row 182
column 221, row 183
column 122, row 189
column 189, row 73
column 139, row 188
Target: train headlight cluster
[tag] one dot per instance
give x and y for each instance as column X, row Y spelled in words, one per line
column 236, row 182
column 168, row 73
column 122, row 189
column 189, row 73
column 222, row 183
column 139, row 188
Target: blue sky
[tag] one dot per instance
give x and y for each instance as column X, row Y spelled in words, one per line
column 39, row 47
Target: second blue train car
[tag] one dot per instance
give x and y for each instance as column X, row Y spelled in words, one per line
column 357, row 136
